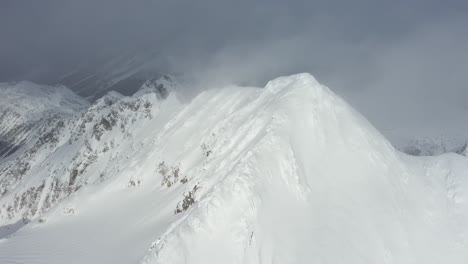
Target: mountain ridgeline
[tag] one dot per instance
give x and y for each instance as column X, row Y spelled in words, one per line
column 287, row 173
column 45, row 125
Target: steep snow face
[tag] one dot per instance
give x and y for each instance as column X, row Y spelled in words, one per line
column 315, row 184
column 284, row 174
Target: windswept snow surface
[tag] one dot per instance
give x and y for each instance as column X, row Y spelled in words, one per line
column 285, row 174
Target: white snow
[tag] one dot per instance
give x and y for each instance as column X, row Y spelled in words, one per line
column 285, row 174
column 29, row 97
column 24, row 102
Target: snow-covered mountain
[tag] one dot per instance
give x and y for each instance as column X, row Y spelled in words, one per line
column 57, row 127
column 29, row 111
column 288, row 173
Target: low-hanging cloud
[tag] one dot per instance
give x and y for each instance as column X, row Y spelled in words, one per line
column 396, row 61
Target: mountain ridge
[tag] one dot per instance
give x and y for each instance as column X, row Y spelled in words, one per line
column 289, row 173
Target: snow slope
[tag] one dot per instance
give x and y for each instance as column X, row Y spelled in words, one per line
column 285, row 174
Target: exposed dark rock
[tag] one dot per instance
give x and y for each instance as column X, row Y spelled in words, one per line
column 188, row 201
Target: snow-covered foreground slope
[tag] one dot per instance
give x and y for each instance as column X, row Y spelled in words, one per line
column 285, row 174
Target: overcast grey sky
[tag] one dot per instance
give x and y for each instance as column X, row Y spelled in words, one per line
column 396, row 61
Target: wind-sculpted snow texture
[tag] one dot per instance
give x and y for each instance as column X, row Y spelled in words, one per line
column 284, row 174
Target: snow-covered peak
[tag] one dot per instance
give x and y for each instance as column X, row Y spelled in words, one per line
column 108, row 99
column 30, row 99
column 297, row 81
column 161, row 86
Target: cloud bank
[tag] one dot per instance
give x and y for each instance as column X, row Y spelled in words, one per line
column 402, row 63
